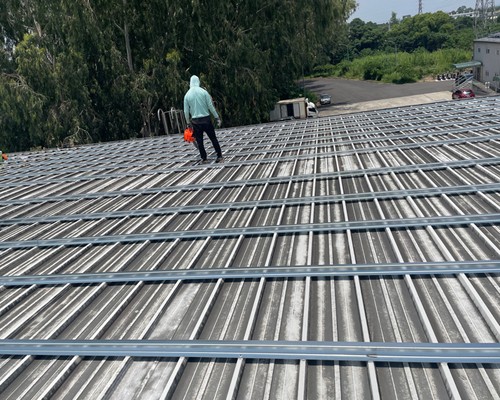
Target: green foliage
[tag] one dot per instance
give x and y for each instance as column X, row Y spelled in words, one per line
column 400, row 67
column 324, row 70
column 430, row 31
column 403, row 50
column 372, row 69
column 99, row 70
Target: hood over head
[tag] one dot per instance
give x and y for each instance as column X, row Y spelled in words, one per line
column 194, row 82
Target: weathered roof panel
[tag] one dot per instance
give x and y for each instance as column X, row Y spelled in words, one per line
column 353, row 256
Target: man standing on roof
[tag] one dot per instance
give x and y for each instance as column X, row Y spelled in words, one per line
column 198, row 106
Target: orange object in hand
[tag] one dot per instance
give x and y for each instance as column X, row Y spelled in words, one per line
column 188, row 135
column 5, row 157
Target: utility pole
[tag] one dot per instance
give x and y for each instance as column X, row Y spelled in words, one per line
column 483, row 16
column 420, row 6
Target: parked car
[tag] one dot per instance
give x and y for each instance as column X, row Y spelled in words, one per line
column 463, row 94
column 325, row 99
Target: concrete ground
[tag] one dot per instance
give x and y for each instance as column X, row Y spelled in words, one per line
column 385, row 103
column 350, row 96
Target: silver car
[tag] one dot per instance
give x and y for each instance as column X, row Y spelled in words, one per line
column 325, row 99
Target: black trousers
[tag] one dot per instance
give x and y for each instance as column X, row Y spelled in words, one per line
column 201, row 125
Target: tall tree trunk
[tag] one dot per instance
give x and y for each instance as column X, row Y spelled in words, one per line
column 127, row 38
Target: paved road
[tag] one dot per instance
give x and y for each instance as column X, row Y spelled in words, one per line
column 346, row 91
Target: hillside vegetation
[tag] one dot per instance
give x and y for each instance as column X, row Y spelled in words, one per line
column 405, row 50
column 96, row 70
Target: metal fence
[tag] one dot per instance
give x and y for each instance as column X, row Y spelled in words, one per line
column 173, row 121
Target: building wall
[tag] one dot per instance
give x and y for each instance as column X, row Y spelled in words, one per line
column 488, row 52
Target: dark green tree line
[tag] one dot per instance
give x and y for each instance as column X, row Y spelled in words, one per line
column 404, row 50
column 99, row 69
column 429, row 31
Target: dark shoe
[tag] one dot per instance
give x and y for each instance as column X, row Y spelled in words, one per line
column 204, row 162
column 219, row 159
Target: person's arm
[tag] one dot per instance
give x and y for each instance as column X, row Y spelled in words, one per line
column 211, row 107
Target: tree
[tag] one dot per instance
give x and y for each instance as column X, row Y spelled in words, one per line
column 365, row 36
column 103, row 68
column 393, row 20
column 430, row 31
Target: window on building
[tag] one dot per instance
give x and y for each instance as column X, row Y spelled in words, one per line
column 479, row 49
column 487, row 51
column 487, row 73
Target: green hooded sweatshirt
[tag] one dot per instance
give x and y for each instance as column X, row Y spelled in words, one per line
column 197, row 101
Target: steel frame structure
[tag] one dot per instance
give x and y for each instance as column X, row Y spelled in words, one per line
column 358, row 248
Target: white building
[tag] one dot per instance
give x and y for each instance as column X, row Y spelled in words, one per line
column 487, row 52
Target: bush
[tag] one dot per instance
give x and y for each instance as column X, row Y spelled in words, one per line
column 398, row 77
column 400, row 67
column 342, row 68
column 324, row 70
column 373, row 71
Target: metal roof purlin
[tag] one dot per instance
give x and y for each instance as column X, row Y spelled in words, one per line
column 322, row 199
column 454, row 220
column 251, row 349
column 373, row 238
column 385, row 148
column 279, row 179
column 375, row 269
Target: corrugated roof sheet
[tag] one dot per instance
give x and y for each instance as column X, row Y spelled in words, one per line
column 468, row 64
column 345, row 257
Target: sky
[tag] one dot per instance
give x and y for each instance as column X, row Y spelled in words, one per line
column 380, row 11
